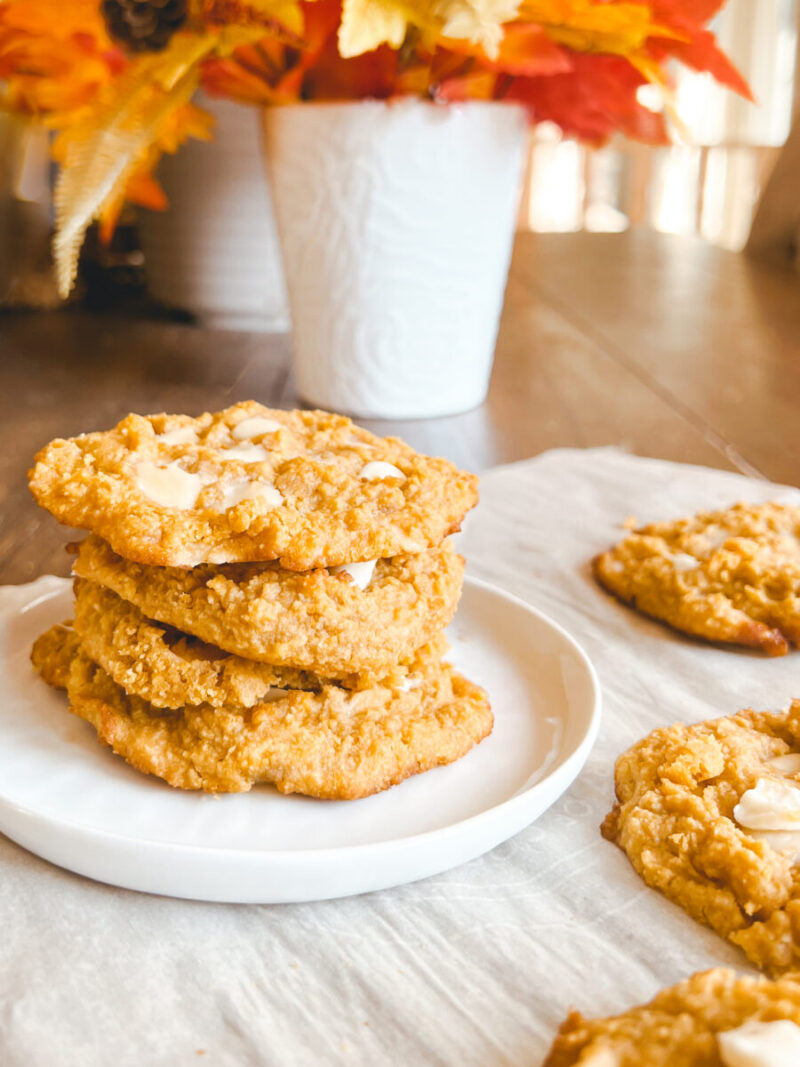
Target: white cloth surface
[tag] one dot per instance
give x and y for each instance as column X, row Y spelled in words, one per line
column 477, row 966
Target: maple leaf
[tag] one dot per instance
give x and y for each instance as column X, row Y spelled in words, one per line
column 594, row 100
column 702, row 53
column 698, row 47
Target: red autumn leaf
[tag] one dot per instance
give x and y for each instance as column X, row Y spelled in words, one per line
column 371, row 75
column 703, row 54
column 699, row 48
column 597, row 98
column 684, row 14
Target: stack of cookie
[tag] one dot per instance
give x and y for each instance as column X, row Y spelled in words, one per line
column 262, row 598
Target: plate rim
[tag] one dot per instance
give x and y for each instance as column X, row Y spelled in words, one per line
column 579, row 755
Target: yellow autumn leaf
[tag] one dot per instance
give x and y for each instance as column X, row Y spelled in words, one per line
column 478, row 21
column 366, row 24
column 588, row 26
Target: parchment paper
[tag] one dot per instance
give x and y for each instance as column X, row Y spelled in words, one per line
column 477, row 966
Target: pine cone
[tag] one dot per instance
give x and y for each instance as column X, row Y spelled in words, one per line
column 144, row 25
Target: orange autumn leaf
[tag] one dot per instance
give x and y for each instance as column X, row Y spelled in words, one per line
column 271, row 71
column 50, row 63
column 476, row 85
column 526, row 50
column 55, row 19
column 143, row 190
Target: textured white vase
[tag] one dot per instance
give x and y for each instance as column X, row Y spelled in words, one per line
column 396, row 223
column 215, row 251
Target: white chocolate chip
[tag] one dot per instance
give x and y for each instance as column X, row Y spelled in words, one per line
column 377, row 469
column 255, row 427
column 772, row 804
column 787, row 842
column 409, row 545
column 274, row 693
column 761, row 1044
column 170, row 486
column 714, row 537
column 180, row 435
column 786, row 764
column 361, row 573
column 601, row 1057
column 682, row 561
column 235, row 492
column 249, row 453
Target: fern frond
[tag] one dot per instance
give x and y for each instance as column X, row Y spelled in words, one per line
column 105, row 147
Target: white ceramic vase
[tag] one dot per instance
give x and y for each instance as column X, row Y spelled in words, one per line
column 215, row 251
column 396, row 223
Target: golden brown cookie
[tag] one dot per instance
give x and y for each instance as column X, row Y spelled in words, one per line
column 316, row 621
column 307, row 488
column 53, row 651
column 334, row 744
column 710, row 815
column 713, row 1019
column 169, row 668
column 731, row 576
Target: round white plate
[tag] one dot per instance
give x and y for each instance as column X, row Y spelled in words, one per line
column 71, row 801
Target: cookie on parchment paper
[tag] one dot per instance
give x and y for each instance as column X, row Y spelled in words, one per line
column 730, row 576
column 713, row 1019
column 709, row 814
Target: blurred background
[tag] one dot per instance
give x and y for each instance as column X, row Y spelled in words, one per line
column 708, row 185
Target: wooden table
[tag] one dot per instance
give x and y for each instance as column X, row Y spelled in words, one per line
column 662, row 345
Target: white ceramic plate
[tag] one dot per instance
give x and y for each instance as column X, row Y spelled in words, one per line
column 73, row 802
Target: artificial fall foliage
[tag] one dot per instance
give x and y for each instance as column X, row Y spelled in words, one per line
column 118, row 102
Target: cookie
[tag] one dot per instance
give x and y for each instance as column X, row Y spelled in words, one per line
column 316, row 621
column 53, row 652
column 307, row 488
column 730, row 576
column 334, row 744
column 710, row 815
column 169, row 668
column 713, row 1019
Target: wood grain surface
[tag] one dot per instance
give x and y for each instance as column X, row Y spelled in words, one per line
column 662, row 345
